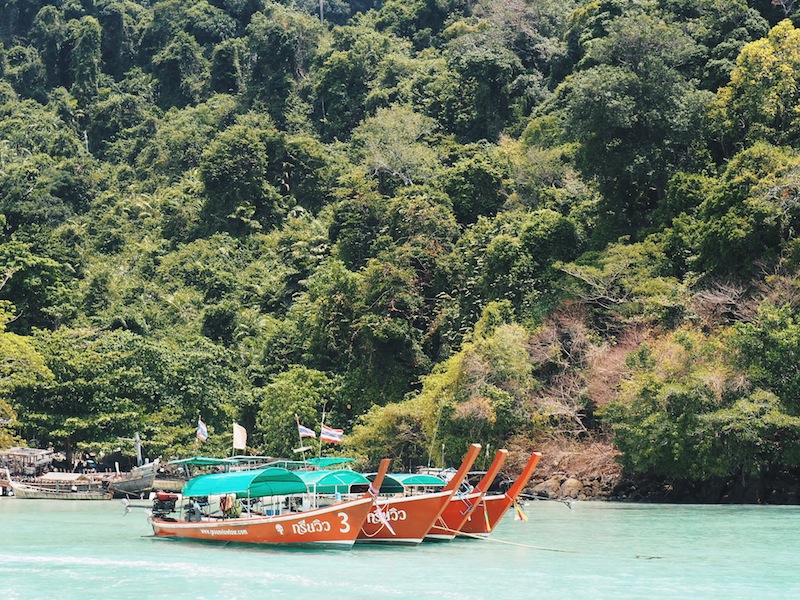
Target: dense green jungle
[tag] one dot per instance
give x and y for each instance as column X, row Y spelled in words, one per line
column 562, row 225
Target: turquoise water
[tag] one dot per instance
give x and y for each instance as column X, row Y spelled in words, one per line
column 66, row 550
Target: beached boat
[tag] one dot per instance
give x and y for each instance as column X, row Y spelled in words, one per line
column 264, row 506
column 491, row 509
column 175, row 474
column 61, row 486
column 462, row 505
column 406, row 519
column 136, row 482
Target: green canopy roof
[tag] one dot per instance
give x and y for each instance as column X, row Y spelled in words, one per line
column 396, row 483
column 317, row 463
column 260, row 482
column 245, row 458
column 330, row 482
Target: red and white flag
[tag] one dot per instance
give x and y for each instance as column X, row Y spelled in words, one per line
column 329, row 434
column 202, row 430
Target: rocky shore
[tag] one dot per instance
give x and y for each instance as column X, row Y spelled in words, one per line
column 591, row 472
column 578, row 472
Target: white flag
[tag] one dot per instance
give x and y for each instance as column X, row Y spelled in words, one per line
column 239, row 437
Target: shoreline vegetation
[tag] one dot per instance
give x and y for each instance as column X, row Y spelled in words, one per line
column 558, row 225
column 589, row 472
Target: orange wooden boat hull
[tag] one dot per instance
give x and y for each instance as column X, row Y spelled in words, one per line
column 453, row 516
column 335, row 525
column 411, row 517
column 492, row 508
column 462, row 506
column 488, row 514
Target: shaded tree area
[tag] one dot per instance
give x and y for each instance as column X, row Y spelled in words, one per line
column 436, row 222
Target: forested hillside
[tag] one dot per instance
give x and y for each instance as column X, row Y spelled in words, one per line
column 530, row 223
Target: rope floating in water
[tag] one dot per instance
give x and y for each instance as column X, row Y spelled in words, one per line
column 496, row 541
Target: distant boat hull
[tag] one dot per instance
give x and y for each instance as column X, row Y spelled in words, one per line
column 36, row 492
column 336, row 525
column 137, row 482
column 409, row 517
column 132, row 487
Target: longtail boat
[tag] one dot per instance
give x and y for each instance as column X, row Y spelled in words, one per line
column 138, row 481
column 491, row 509
column 60, row 486
column 406, row 519
column 461, row 506
column 263, row 506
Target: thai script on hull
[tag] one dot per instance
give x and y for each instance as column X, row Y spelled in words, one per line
column 315, row 526
column 391, row 514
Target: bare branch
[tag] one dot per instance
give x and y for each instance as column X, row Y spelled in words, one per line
column 786, row 5
column 718, row 304
column 7, row 276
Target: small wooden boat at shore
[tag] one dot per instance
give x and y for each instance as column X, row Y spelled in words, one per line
column 461, row 506
column 407, row 519
column 136, row 482
column 263, row 506
column 491, row 509
column 61, row 486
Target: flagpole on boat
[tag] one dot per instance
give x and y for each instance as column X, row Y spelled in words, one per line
column 302, row 448
column 321, row 425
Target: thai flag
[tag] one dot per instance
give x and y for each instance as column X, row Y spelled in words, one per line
column 305, row 431
column 202, row 431
column 329, row 434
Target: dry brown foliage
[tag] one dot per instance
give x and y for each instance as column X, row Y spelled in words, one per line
column 563, row 339
column 779, row 289
column 723, row 303
column 606, row 365
column 582, row 460
column 562, row 399
column 718, row 305
column 476, row 408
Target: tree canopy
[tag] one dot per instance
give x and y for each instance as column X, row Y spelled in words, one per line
column 434, row 222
